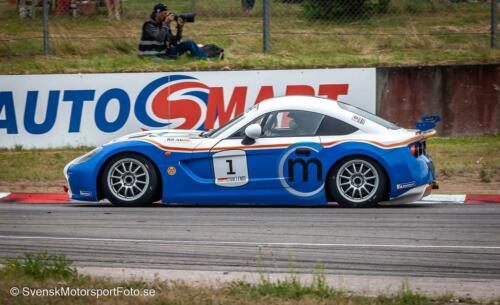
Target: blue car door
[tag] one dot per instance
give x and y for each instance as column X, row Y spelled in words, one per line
column 278, row 166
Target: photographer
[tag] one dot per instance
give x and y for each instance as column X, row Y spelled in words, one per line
column 157, row 38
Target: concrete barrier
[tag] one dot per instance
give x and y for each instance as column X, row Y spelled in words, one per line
column 467, row 97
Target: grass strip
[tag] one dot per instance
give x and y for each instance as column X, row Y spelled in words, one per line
column 52, row 271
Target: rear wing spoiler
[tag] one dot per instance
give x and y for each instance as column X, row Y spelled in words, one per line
column 427, row 123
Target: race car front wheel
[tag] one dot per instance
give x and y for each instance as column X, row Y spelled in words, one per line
column 129, row 180
column 357, row 182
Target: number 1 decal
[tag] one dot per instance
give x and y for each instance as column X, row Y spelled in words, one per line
column 230, row 168
column 230, row 164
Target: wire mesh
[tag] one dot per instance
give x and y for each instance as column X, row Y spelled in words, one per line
column 433, row 22
column 295, row 26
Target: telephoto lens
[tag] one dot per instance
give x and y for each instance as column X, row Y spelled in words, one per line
column 187, row 17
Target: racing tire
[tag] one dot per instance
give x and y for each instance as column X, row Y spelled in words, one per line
column 130, row 180
column 357, row 182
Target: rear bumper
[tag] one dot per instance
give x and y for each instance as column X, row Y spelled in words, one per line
column 415, row 194
column 428, row 178
column 407, row 173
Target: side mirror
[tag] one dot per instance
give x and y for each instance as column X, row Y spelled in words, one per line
column 252, row 132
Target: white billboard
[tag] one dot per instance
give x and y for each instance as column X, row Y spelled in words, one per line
column 59, row 110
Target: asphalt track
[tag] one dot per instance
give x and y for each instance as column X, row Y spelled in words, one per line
column 436, row 243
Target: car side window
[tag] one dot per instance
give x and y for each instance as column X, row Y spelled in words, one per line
column 240, row 134
column 334, row 127
column 292, row 123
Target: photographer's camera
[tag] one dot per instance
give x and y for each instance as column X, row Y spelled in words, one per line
column 187, row 17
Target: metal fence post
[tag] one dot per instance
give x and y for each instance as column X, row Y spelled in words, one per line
column 193, row 6
column 494, row 30
column 45, row 27
column 266, row 27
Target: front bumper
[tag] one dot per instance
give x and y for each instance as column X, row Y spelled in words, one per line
column 81, row 181
column 67, row 179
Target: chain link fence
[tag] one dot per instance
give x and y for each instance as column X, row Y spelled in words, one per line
column 291, row 26
column 289, row 21
column 403, row 20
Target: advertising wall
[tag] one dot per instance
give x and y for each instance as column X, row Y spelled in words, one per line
column 91, row 109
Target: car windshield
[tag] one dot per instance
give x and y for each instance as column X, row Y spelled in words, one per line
column 368, row 115
column 218, row 131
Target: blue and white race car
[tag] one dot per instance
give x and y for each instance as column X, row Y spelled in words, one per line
column 292, row 150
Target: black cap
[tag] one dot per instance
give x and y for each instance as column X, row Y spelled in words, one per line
column 160, row 7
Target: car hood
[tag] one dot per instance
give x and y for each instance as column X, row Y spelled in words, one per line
column 170, row 133
column 171, row 139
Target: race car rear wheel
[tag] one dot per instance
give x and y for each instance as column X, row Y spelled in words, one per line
column 357, row 182
column 130, row 180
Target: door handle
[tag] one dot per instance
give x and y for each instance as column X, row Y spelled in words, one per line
column 303, row 151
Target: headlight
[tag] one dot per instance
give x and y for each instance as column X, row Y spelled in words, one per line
column 88, row 155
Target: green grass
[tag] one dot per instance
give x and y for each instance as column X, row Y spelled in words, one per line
column 36, row 164
column 475, row 157
column 430, row 33
column 36, row 271
column 40, row 266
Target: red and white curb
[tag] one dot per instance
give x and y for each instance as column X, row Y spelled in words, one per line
column 457, row 199
column 432, row 199
column 34, row 198
column 2, row 195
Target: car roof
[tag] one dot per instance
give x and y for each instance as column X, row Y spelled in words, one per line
column 302, row 102
column 316, row 104
column 319, row 105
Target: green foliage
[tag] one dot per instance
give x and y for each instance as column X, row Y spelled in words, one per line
column 484, row 176
column 405, row 296
column 382, row 6
column 345, row 10
column 421, row 6
column 290, row 291
column 319, row 283
column 291, row 287
column 40, row 266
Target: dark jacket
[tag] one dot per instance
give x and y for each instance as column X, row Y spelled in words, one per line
column 157, row 39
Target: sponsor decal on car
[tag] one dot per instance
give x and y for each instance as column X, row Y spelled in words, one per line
column 85, row 193
column 171, row 170
column 230, row 168
column 300, row 169
column 236, row 179
column 358, row 119
column 406, row 185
